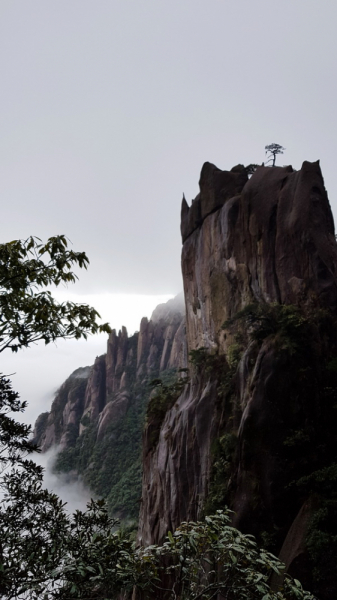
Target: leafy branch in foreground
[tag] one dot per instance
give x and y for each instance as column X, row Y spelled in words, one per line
column 212, row 559
column 13, row 435
column 28, row 312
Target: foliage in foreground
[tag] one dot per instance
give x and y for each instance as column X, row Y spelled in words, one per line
column 211, row 559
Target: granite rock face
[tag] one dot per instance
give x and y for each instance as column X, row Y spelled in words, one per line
column 216, row 187
column 59, row 425
column 176, row 473
column 272, row 243
column 269, row 239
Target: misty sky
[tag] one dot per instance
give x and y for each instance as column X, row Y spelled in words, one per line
column 108, row 109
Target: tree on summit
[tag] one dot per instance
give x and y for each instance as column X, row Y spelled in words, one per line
column 273, row 150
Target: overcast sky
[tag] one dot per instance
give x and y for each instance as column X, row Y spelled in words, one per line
column 108, row 109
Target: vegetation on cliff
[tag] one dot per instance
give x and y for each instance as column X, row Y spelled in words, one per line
column 302, row 445
column 165, row 392
column 305, row 445
column 111, row 465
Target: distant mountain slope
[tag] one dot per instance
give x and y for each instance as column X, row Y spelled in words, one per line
column 97, row 417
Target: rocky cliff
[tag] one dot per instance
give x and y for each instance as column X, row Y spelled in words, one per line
column 255, row 426
column 97, row 416
column 252, row 423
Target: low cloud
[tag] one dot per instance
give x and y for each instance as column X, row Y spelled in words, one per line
column 66, row 485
